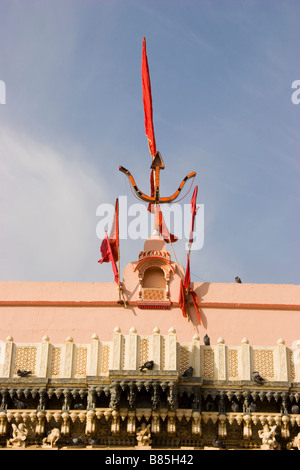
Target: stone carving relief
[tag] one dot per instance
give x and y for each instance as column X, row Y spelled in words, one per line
column 19, row 435
column 143, row 435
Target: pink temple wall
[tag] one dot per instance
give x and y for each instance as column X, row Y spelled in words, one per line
column 30, row 310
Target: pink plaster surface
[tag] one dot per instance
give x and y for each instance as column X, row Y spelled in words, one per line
column 262, row 313
column 262, row 326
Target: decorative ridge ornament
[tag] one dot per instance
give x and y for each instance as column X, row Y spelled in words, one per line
column 157, row 161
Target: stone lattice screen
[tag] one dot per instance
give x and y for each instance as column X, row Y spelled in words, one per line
column 129, row 351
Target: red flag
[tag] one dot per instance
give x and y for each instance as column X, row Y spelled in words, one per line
column 196, row 304
column 163, row 230
column 194, row 212
column 187, row 278
column 151, row 205
column 114, row 233
column 107, row 256
column 147, row 100
column 110, row 246
column 182, row 300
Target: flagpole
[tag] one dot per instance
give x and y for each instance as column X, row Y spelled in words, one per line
column 119, row 271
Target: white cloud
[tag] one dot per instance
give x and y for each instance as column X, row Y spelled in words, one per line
column 47, row 210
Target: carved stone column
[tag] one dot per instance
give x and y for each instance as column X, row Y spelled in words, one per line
column 196, row 355
column 196, row 423
column 68, row 358
column 3, row 423
column 245, row 363
column 131, row 359
column 114, row 396
column 90, row 427
column 115, row 424
column 247, row 429
column 285, row 429
column 9, row 347
column 117, row 349
column 222, row 429
column 65, row 427
column 131, row 422
column 93, row 356
column 156, row 349
column 282, row 366
column 221, row 358
column 40, row 424
column 155, row 423
column 171, row 423
column 172, row 396
column 155, row 397
column 171, row 350
column 44, row 356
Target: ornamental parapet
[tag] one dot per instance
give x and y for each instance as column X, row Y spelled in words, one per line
column 127, row 352
column 188, row 393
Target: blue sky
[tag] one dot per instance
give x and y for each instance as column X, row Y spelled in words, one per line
column 221, row 75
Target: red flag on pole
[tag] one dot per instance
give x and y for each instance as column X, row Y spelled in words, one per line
column 107, row 256
column 110, row 246
column 194, row 212
column 151, row 205
column 182, row 299
column 114, row 233
column 196, row 304
column 147, row 100
column 187, row 278
column 163, row 229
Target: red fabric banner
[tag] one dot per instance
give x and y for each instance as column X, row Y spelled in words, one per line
column 196, row 304
column 147, row 100
column 110, row 246
column 107, row 256
column 187, row 278
column 194, row 212
column 114, row 233
column 182, row 299
column 163, row 229
column 151, row 205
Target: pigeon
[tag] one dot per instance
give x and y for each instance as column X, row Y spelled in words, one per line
column 93, row 442
column 206, row 340
column 148, row 365
column 252, row 407
column 295, row 410
column 209, row 406
column 257, row 378
column 23, row 373
column 75, row 441
column 238, row 280
column 79, row 406
column 235, row 406
column 188, row 372
column 218, row 443
column 19, row 404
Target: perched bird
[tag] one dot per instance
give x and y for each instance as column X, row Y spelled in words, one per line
column 235, row 407
column 252, row 408
column 206, row 340
column 93, row 442
column 19, row 404
column 75, row 441
column 238, row 280
column 209, row 406
column 23, row 373
column 257, row 378
column 79, row 406
column 188, row 372
column 218, row 443
column 295, row 410
column 148, row 365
